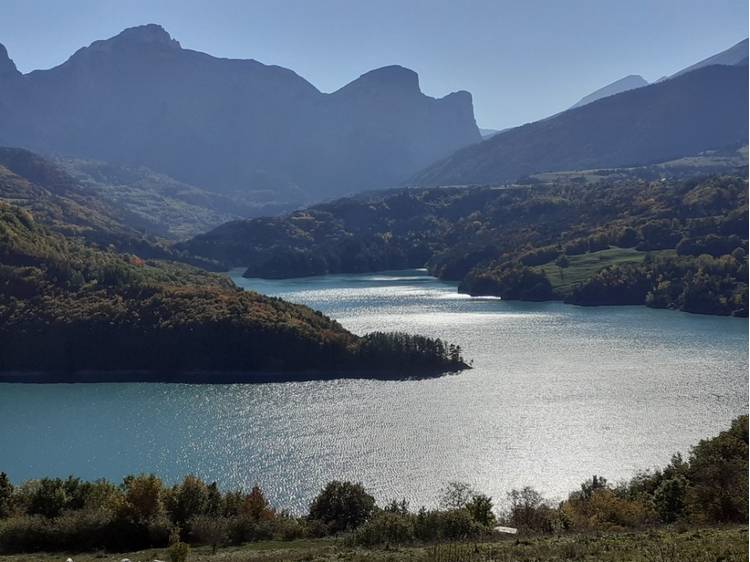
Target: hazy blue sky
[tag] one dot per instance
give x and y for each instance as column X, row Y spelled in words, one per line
column 522, row 59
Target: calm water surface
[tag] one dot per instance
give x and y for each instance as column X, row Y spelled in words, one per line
column 557, row 394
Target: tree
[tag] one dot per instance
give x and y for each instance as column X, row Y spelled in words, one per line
column 48, row 498
column 669, row 498
column 342, row 506
column 143, row 497
column 6, row 496
column 480, row 508
column 562, row 262
column 718, row 476
column 190, row 499
column 456, row 495
column 256, row 505
column 528, row 509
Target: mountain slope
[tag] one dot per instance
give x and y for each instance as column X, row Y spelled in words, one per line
column 700, row 110
column 734, row 55
column 141, row 99
column 630, row 82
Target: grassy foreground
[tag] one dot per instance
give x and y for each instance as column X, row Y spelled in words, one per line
column 729, row 544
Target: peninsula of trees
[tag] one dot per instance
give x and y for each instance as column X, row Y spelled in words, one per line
column 74, row 312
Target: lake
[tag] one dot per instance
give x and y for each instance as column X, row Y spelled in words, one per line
column 557, row 393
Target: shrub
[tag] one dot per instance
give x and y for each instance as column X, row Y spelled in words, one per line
column 178, row 550
column 386, row 528
column 458, row 524
column 212, row 531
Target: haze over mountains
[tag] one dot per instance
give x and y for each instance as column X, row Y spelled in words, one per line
column 142, row 121
column 230, row 125
column 700, row 110
column 734, row 55
column 617, row 87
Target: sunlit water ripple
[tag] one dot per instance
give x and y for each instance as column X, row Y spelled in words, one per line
column 557, row 394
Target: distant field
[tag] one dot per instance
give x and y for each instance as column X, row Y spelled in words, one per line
column 693, row 545
column 583, row 266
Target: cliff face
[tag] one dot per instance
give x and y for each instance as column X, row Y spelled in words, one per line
column 140, row 98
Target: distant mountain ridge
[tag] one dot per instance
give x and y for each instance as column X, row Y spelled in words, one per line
column 701, row 110
column 617, row 87
column 139, row 98
column 735, row 55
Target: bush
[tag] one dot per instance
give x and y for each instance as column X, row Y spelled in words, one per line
column 458, row 524
column 386, row 528
column 212, row 531
column 178, row 550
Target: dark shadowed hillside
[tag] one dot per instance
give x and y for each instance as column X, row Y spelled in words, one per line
column 141, row 99
column 701, row 110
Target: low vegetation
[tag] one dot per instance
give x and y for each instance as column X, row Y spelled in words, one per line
column 624, row 240
column 670, row 512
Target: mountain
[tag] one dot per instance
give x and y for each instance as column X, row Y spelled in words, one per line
column 735, row 55
column 697, row 111
column 141, row 99
column 158, row 204
column 630, row 82
column 60, row 203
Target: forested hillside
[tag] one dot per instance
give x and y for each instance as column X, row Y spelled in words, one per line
column 101, row 311
column 665, row 243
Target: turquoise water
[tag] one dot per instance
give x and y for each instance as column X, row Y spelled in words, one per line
column 557, row 394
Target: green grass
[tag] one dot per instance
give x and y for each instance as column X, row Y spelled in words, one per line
column 666, row 545
column 582, row 267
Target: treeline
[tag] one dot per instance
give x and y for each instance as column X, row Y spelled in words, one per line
column 703, row 284
column 497, row 240
column 709, row 487
column 93, row 309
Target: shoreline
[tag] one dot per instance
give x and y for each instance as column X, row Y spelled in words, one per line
column 212, row 377
column 561, row 299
